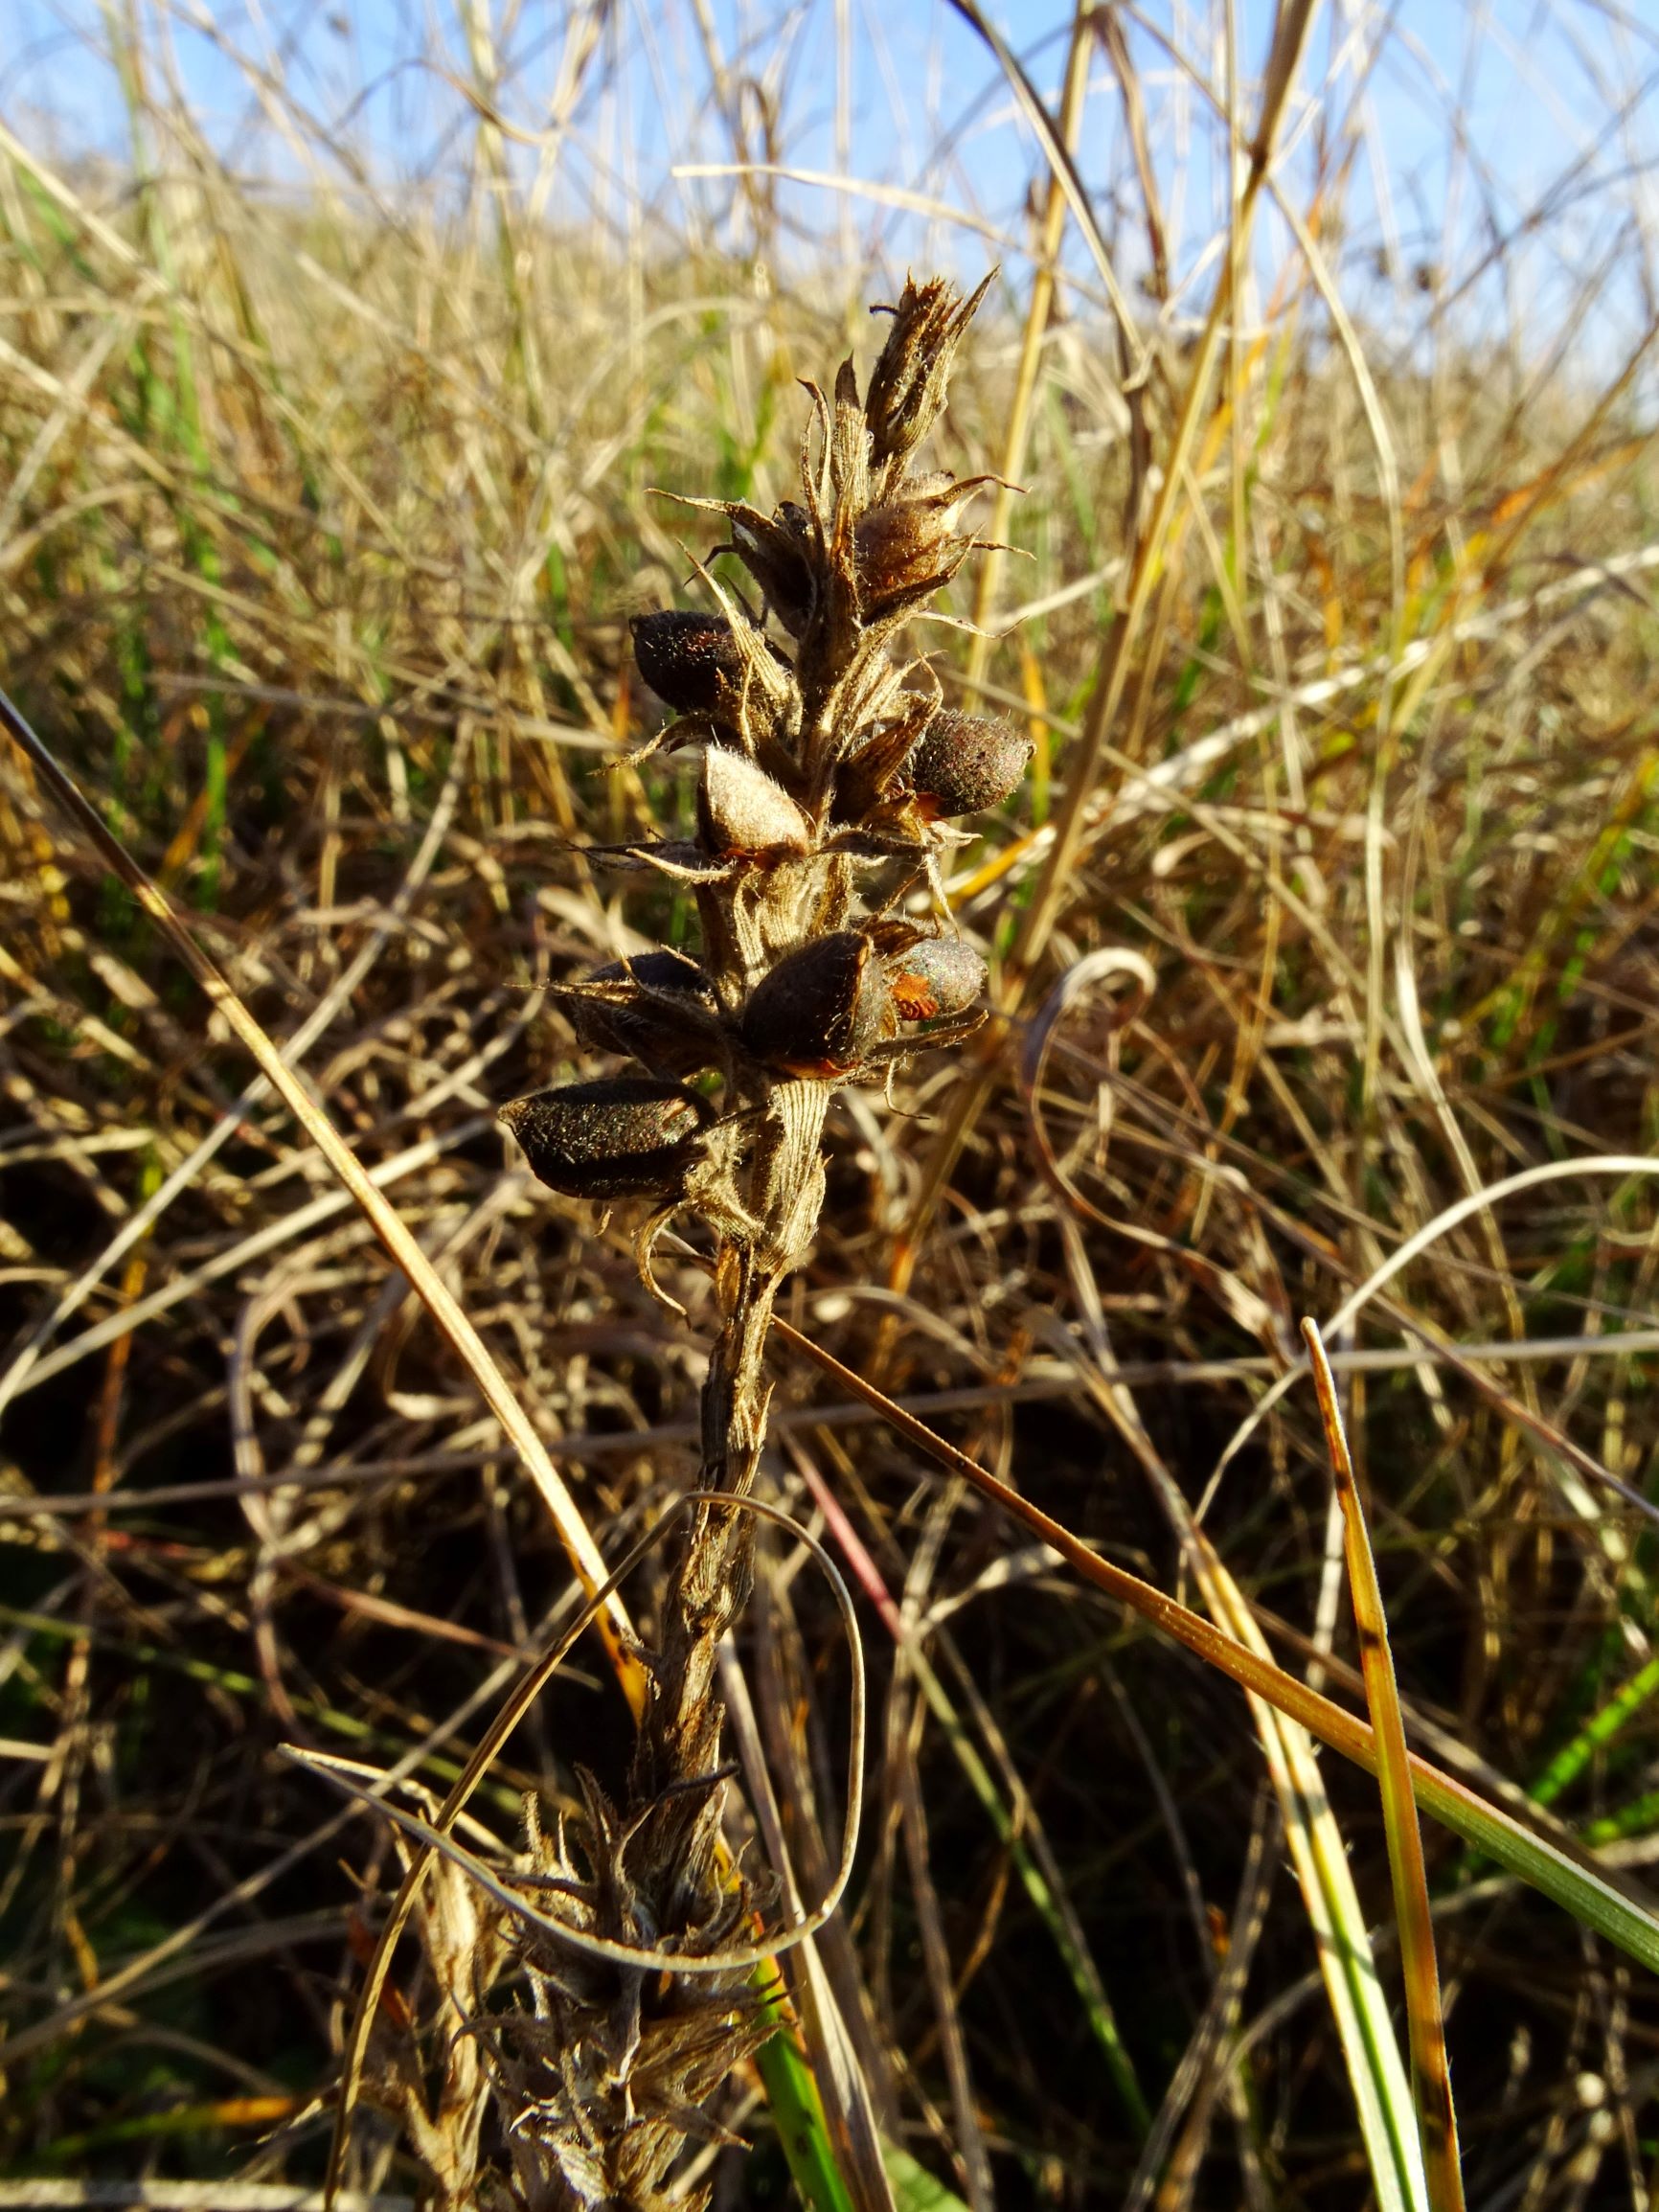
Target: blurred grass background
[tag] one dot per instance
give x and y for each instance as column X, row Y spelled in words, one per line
column 339, row 358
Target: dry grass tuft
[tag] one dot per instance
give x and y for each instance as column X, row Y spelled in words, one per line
column 321, row 517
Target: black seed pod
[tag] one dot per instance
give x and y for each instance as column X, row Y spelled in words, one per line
column 659, row 1008
column 821, row 1010
column 963, row 764
column 939, row 975
column 621, row 1138
column 691, row 661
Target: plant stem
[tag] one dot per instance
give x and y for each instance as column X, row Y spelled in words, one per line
column 679, row 1744
column 680, row 1741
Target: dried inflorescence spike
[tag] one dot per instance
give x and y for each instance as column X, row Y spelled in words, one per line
column 825, row 765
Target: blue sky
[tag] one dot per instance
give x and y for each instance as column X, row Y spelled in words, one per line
column 1458, row 124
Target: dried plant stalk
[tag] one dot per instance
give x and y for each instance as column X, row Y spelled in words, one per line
column 829, row 776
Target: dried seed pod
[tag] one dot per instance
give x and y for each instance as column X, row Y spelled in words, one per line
column 939, row 975
column 820, row 1010
column 620, row 1138
column 741, row 809
column 908, row 382
column 907, row 549
column 691, row 661
column 659, row 1008
column 864, row 777
column 776, row 552
column 963, row 764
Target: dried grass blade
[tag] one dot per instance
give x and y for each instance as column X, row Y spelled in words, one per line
column 1151, row 554
column 612, row 1619
column 1573, row 1879
column 1371, row 2052
column 1425, row 2021
column 1062, row 167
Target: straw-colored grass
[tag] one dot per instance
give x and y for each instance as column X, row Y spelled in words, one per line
column 321, row 514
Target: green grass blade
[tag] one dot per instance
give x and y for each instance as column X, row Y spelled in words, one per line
column 1573, row 1883
column 1376, row 2072
column 798, row 2114
column 1425, row 2019
column 1571, row 1760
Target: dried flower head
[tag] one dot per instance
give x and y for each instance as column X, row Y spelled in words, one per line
column 824, row 788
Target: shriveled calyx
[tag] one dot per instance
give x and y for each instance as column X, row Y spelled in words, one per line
column 828, row 775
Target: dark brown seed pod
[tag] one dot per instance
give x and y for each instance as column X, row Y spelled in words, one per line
column 939, row 975
column 691, row 661
column 821, row 1010
column 963, row 764
column 620, row 1138
column 776, row 552
column 659, row 1008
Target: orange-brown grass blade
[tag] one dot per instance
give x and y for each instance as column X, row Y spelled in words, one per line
column 1425, row 2021
column 1573, row 1879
